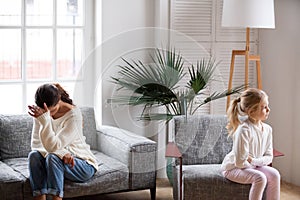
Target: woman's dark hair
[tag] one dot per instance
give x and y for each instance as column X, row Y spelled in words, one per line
column 51, row 94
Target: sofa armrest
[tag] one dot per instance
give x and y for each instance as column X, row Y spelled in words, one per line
column 137, row 152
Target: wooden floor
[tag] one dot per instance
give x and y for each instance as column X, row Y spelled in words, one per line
column 164, row 192
column 289, row 191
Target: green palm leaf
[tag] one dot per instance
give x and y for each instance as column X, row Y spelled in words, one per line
column 154, row 85
column 151, row 84
column 218, row 95
column 169, row 65
column 201, row 75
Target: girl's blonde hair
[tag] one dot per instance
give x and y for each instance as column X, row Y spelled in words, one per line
column 246, row 104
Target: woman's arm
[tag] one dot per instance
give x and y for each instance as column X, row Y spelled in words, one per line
column 35, row 138
column 56, row 142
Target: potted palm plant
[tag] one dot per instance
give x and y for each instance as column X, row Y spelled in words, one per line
column 157, row 85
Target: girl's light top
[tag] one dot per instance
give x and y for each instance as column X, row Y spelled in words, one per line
column 249, row 140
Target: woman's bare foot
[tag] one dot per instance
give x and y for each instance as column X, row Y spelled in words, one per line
column 41, row 197
column 56, row 198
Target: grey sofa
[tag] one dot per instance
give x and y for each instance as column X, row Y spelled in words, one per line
column 203, row 143
column 126, row 161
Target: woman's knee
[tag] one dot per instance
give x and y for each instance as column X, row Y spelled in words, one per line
column 53, row 159
column 34, row 156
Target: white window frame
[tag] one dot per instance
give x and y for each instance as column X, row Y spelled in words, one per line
column 88, row 46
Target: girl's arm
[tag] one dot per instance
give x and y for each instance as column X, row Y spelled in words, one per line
column 241, row 147
column 267, row 157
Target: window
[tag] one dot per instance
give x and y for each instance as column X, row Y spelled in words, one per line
column 41, row 41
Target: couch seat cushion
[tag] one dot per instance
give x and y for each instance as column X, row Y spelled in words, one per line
column 207, row 182
column 111, row 176
column 8, row 174
column 11, row 183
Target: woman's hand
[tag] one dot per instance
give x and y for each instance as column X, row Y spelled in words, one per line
column 36, row 111
column 69, row 159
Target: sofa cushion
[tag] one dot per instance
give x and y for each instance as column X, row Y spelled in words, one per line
column 111, row 176
column 11, row 183
column 202, row 139
column 8, row 174
column 207, row 182
column 15, row 135
column 19, row 165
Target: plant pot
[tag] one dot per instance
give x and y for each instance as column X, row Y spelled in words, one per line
column 169, row 170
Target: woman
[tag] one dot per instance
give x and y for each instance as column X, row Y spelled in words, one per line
column 58, row 146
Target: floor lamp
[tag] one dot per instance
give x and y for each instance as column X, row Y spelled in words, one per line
column 247, row 14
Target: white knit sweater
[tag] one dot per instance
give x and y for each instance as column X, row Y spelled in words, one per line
column 61, row 136
column 248, row 140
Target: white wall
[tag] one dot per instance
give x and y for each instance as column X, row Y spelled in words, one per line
column 279, row 51
column 127, row 30
column 123, row 34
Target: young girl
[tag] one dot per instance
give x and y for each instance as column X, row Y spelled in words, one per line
column 58, row 146
column 252, row 149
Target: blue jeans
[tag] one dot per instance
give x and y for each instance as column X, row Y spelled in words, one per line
column 47, row 175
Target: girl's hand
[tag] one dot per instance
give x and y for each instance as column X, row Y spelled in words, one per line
column 36, row 111
column 249, row 159
column 69, row 159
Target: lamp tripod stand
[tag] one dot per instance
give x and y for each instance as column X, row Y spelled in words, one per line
column 248, row 58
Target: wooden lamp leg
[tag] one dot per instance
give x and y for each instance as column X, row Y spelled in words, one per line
column 230, row 77
column 259, row 84
column 246, row 69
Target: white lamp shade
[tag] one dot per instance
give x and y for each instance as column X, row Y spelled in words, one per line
column 248, row 13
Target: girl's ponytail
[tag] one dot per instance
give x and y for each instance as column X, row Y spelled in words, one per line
column 233, row 116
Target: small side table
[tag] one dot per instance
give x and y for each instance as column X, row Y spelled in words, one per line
column 173, row 152
column 276, row 154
